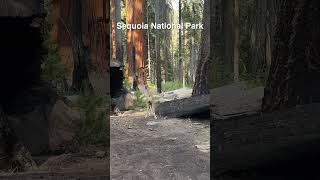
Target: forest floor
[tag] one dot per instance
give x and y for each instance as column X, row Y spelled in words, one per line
column 90, row 163
column 146, row 148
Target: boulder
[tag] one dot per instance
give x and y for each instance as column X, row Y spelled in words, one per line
column 32, row 129
column 172, row 95
column 72, row 100
column 64, row 122
column 124, row 102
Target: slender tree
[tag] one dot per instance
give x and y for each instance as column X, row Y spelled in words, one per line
column 117, row 48
column 180, row 63
column 157, row 42
column 236, row 50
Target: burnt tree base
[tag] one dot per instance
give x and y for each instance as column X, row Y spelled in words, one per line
column 280, row 142
column 116, row 82
column 22, row 90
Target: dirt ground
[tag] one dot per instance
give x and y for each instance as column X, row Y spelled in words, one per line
column 89, row 164
column 145, row 148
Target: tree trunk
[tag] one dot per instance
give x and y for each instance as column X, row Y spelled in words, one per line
column 193, row 51
column 201, row 85
column 96, row 16
column 149, row 76
column 216, row 41
column 158, row 56
column 165, row 62
column 273, row 9
column 228, row 27
column 294, row 74
column 236, row 51
column 117, row 48
column 80, row 53
column 259, row 61
column 135, row 68
column 180, row 64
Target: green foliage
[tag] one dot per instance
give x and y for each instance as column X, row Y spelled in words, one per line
column 139, row 101
column 95, row 131
column 254, row 80
column 53, row 70
column 126, row 83
column 171, row 85
column 152, row 88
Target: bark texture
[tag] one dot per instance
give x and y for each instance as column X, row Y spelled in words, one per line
column 259, row 61
column 80, row 29
column 228, row 34
column 202, row 81
column 117, row 48
column 135, row 67
column 294, row 74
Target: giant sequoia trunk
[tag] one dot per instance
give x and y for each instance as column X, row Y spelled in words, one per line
column 201, row 85
column 80, row 53
column 135, row 67
column 96, row 29
column 80, row 29
column 294, row 74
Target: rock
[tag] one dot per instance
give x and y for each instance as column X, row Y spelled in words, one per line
column 22, row 160
column 63, row 125
column 72, row 100
column 124, row 102
column 152, row 123
column 203, row 148
column 27, row 111
column 32, row 129
column 100, row 154
column 55, row 161
column 172, row 95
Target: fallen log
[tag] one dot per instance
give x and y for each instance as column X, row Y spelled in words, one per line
column 232, row 100
column 279, row 138
column 183, row 107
